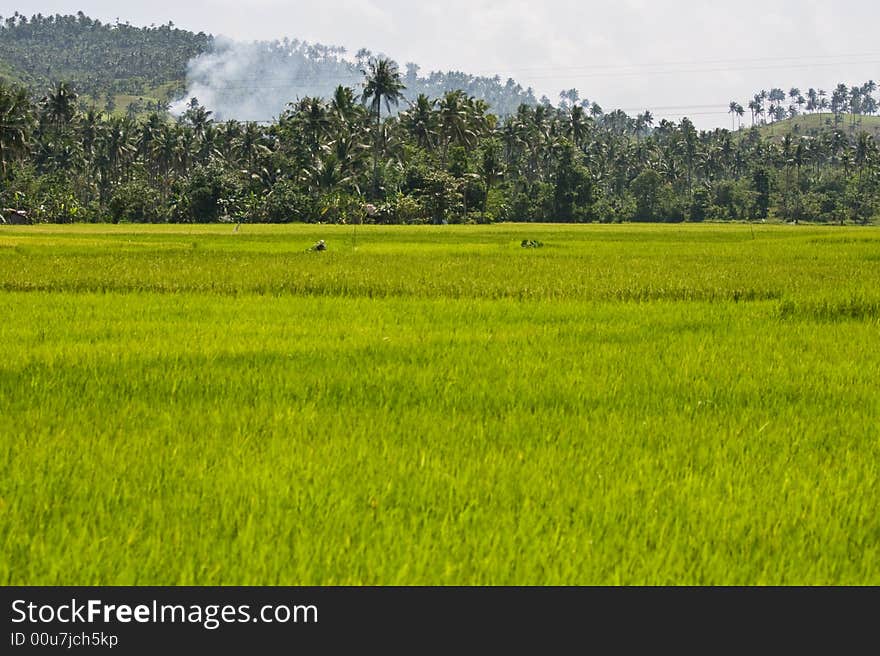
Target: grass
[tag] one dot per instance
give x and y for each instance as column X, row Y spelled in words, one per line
column 627, row 405
column 810, row 124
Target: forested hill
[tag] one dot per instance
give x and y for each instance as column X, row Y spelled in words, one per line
column 122, row 67
column 98, row 58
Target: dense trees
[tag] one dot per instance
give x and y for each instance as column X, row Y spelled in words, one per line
column 437, row 160
column 15, row 118
column 135, row 71
column 855, row 101
column 444, row 156
column 99, row 58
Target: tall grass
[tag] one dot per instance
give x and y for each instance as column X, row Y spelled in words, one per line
column 627, row 405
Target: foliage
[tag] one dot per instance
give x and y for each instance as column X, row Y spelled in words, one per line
column 136, row 202
column 440, row 159
column 98, row 58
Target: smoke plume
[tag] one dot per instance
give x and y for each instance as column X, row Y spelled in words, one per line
column 256, row 81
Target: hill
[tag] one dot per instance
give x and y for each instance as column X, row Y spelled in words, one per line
column 120, row 67
column 101, row 60
column 812, row 124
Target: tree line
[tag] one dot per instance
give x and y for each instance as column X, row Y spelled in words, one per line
column 778, row 105
column 367, row 155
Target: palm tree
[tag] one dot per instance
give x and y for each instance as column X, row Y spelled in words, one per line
column 736, row 110
column 312, row 115
column 812, row 100
column 383, row 83
column 15, row 123
column 839, row 99
column 343, row 105
column 456, row 124
column 644, row 122
column 869, row 103
column 199, row 118
column 491, row 167
column 578, row 125
column 59, row 105
column 420, row 121
column 864, row 150
column 755, row 108
column 855, row 102
column 248, row 146
column 777, row 96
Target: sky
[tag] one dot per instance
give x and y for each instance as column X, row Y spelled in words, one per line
column 673, row 57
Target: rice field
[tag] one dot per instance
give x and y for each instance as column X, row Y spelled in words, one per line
column 628, row 405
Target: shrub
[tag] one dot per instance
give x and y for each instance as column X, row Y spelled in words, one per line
column 286, row 203
column 136, row 202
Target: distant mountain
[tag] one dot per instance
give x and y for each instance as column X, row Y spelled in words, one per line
column 98, row 58
column 120, row 63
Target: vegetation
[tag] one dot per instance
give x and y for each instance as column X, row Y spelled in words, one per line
column 127, row 70
column 440, row 161
column 445, row 158
column 627, row 405
column 777, row 105
column 99, row 59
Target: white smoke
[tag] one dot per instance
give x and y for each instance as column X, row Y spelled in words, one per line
column 256, row 81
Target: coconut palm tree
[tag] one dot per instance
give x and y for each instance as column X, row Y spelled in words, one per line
column 644, row 122
column 755, row 108
column 578, row 125
column 456, row 122
column 343, row 107
column 812, row 100
column 15, row 123
column 59, row 105
column 865, row 149
column 420, row 121
column 736, row 110
column 315, row 122
column 491, row 167
column 383, row 84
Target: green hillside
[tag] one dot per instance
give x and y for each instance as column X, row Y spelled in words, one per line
column 120, row 67
column 101, row 60
column 809, row 124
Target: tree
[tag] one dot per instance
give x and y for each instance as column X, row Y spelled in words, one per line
column 647, row 188
column 421, row 122
column 572, row 189
column 491, row 168
column 761, row 187
column 736, row 111
column 644, row 123
column 383, row 84
column 457, row 122
column 15, row 124
column 59, row 105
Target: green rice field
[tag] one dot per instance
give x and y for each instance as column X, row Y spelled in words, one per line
column 628, row 405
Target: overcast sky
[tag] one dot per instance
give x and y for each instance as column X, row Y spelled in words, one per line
column 678, row 57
